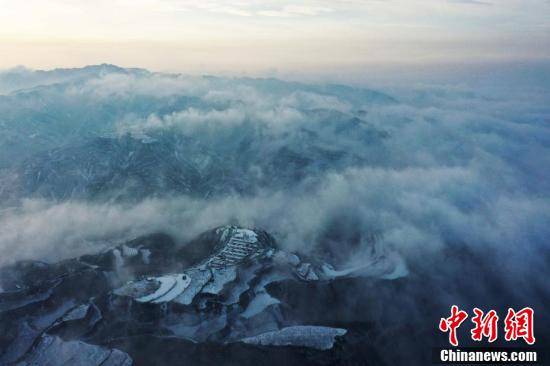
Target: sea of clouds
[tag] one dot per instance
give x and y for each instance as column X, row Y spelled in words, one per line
column 459, row 173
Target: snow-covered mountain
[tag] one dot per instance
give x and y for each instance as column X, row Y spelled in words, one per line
column 102, row 133
column 377, row 213
column 228, row 290
column 21, row 78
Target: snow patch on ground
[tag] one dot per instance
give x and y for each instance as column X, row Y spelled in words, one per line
column 199, row 278
column 246, row 234
column 317, row 337
column 166, row 284
column 259, row 304
column 221, row 276
column 182, row 282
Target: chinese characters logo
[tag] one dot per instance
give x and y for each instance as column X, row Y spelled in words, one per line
column 517, row 324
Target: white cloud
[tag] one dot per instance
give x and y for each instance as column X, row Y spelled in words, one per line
column 458, row 172
column 295, row 10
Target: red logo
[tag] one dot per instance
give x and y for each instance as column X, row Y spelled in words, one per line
column 520, row 325
column 485, row 326
column 452, row 323
column 516, row 325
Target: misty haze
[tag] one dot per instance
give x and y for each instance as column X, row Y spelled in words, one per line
column 245, row 183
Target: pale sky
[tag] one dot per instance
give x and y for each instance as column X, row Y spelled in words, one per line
column 251, row 36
